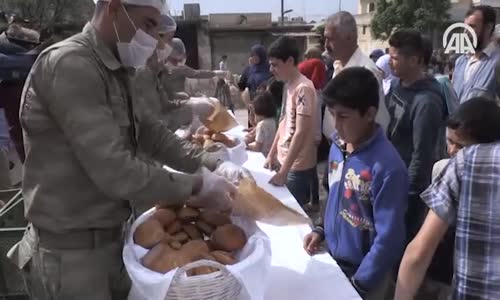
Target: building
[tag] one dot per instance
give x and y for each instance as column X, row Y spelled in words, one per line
column 207, row 38
column 366, row 41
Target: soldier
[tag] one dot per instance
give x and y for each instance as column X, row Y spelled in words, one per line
column 153, row 87
column 82, row 175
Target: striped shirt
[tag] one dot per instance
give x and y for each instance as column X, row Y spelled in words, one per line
column 467, row 193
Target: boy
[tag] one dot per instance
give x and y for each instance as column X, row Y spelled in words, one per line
column 294, row 150
column 365, row 214
column 463, row 200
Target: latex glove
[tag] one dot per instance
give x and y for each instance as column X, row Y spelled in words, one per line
column 216, row 192
column 202, row 107
column 218, row 151
column 233, row 172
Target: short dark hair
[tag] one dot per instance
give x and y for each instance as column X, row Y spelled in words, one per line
column 355, row 88
column 489, row 15
column 479, row 118
column 263, row 105
column 224, row 56
column 284, row 48
column 408, row 42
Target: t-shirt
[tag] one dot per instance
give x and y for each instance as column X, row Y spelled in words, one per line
column 265, row 132
column 300, row 100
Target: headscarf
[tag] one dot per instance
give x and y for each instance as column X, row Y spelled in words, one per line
column 383, row 64
column 315, row 70
column 260, row 73
column 376, row 54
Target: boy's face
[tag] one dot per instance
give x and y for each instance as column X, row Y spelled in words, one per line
column 401, row 64
column 351, row 125
column 281, row 69
column 456, row 140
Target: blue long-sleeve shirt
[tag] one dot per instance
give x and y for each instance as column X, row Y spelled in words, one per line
column 365, row 214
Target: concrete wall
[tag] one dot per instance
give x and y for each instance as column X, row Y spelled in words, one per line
column 204, row 47
column 236, row 45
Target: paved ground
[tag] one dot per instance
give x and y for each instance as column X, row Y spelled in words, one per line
column 242, row 117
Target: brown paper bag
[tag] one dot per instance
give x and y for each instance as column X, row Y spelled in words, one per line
column 221, row 120
column 253, row 202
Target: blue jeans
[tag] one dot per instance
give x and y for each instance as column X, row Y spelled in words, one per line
column 300, row 184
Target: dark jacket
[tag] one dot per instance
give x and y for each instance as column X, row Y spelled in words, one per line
column 417, row 115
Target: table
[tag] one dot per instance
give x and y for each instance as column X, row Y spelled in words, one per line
column 294, row 274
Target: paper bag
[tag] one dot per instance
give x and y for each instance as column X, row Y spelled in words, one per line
column 221, row 120
column 255, row 203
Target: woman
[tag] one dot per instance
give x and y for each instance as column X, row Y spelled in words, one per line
column 383, row 65
column 315, row 70
column 255, row 76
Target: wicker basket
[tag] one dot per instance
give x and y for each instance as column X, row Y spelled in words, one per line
column 220, row 285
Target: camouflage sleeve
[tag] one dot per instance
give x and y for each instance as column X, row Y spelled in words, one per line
column 167, row 148
column 196, row 74
column 78, row 103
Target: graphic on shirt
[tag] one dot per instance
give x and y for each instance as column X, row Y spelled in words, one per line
column 301, row 100
column 356, row 185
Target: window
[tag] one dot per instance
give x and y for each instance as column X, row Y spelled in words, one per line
column 364, row 29
column 371, row 7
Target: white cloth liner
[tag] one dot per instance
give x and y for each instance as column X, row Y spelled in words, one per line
column 251, row 271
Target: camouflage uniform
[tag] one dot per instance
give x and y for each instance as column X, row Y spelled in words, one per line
column 81, row 174
column 154, row 93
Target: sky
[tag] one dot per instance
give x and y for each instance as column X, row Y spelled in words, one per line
column 311, row 9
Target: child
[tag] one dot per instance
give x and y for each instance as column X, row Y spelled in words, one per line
column 223, row 94
column 476, row 121
column 294, row 151
column 265, row 111
column 365, row 215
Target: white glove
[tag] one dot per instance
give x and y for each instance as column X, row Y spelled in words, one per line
column 215, row 192
column 217, row 151
column 202, row 107
column 233, row 172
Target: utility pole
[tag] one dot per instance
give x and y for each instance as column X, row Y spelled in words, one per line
column 282, row 12
column 340, row 5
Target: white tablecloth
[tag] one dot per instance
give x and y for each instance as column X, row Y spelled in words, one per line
column 294, row 274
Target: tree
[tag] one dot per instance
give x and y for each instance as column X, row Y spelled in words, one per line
column 422, row 15
column 44, row 15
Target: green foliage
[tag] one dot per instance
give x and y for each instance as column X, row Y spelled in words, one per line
column 422, row 15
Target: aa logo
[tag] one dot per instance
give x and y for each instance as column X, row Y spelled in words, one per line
column 459, row 41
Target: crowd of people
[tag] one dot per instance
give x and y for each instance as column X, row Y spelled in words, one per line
column 394, row 119
column 413, row 142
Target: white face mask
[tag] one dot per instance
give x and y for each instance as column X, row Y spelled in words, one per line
column 163, row 54
column 136, row 53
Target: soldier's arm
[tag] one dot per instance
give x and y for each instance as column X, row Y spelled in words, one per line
column 197, row 74
column 166, row 147
column 76, row 99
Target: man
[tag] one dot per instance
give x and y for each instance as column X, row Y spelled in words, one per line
column 417, row 109
column 223, row 63
column 153, row 84
column 475, row 73
column 82, row 176
column 464, row 195
column 341, row 42
column 294, row 151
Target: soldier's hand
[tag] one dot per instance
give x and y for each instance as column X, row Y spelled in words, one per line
column 216, row 192
column 202, row 107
